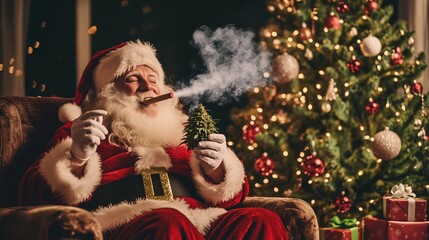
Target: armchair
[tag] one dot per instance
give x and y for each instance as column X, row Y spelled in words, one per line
column 26, row 125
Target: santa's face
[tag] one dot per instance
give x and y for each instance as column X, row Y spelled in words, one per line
column 137, row 124
column 141, row 81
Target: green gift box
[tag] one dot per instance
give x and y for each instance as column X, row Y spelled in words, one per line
column 345, row 229
column 340, row 233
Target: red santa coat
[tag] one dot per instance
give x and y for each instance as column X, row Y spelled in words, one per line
column 50, row 181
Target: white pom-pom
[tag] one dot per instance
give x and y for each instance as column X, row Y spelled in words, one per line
column 69, row 112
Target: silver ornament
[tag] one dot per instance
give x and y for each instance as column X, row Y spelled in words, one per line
column 386, row 145
column 285, row 68
column 370, row 46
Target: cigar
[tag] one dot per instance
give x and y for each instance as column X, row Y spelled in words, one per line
column 157, row 99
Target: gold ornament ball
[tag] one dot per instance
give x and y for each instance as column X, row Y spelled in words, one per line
column 326, row 107
column 386, row 145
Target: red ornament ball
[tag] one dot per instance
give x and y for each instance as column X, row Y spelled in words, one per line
column 342, row 7
column 304, row 33
column 264, row 165
column 370, row 7
column 313, row 166
column 332, row 22
column 417, row 88
column 250, row 132
column 342, row 203
column 354, row 65
column 372, row 107
column 397, row 58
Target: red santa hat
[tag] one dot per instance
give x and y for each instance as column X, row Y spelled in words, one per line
column 105, row 66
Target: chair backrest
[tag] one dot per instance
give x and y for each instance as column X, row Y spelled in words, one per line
column 26, row 126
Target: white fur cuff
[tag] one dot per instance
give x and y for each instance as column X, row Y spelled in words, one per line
column 69, row 112
column 55, row 167
column 226, row 190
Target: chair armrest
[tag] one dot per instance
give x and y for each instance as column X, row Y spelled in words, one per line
column 297, row 215
column 48, row 222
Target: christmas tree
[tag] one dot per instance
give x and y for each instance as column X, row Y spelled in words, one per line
column 198, row 127
column 342, row 118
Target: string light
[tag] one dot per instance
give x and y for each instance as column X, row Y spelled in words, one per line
column 92, row 30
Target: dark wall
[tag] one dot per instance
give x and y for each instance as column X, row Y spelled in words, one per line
column 50, row 68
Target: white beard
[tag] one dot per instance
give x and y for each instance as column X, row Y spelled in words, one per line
column 131, row 127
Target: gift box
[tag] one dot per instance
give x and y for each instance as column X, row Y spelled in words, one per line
column 381, row 229
column 404, row 209
column 341, row 233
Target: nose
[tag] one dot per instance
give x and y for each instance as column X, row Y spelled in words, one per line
column 144, row 85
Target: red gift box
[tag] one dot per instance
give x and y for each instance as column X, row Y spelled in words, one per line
column 341, row 233
column 380, row 229
column 404, row 209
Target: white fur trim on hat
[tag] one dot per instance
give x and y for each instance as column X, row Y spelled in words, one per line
column 69, row 112
column 126, row 58
column 226, row 190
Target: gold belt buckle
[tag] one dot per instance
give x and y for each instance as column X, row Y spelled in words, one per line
column 165, row 183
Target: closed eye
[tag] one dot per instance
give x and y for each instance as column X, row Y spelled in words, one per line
column 153, row 79
column 131, row 79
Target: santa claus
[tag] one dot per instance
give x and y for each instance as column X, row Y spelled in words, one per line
column 123, row 160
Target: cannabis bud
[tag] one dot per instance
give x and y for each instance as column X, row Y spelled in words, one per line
column 198, row 127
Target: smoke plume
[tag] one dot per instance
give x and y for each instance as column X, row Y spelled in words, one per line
column 234, row 65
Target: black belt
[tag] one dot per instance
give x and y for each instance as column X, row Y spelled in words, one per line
column 154, row 183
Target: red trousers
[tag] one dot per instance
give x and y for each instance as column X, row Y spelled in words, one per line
column 168, row 223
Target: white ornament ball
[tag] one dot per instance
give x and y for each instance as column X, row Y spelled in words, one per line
column 386, row 145
column 285, row 68
column 370, row 46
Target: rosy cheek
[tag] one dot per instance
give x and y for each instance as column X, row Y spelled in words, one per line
column 128, row 89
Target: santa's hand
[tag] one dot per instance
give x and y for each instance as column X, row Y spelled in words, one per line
column 210, row 153
column 87, row 131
